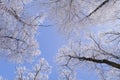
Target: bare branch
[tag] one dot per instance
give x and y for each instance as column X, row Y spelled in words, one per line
column 98, row 7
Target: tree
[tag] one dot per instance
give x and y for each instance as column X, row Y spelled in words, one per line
column 66, row 74
column 101, row 56
column 18, row 28
column 39, row 72
column 78, row 14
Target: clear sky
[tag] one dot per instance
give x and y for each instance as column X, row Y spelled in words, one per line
column 50, row 41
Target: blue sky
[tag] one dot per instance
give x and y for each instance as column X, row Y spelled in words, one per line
column 7, row 69
column 50, row 41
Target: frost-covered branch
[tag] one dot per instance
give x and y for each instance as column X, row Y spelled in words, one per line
column 98, row 7
column 102, row 61
column 40, row 71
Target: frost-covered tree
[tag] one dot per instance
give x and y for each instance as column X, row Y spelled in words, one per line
column 98, row 54
column 17, row 30
column 40, row 71
column 66, row 74
column 71, row 15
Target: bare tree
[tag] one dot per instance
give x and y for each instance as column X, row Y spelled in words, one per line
column 102, row 56
column 18, row 42
column 40, row 71
column 71, row 15
column 17, row 30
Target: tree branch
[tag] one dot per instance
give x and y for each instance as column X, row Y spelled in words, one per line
column 98, row 7
column 11, row 37
column 104, row 61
